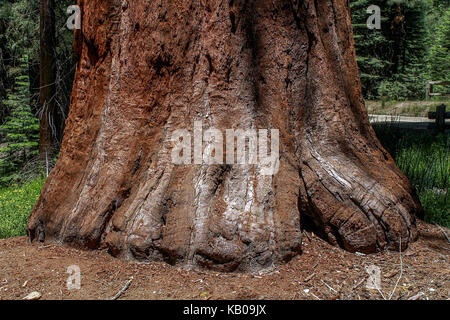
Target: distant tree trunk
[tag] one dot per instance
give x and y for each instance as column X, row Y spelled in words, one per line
column 47, row 76
column 3, row 75
column 34, row 75
column 148, row 68
column 3, row 111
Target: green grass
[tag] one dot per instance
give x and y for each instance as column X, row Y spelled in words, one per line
column 16, row 203
column 425, row 159
column 436, row 207
column 416, row 108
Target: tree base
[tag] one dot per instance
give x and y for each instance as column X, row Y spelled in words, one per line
column 153, row 68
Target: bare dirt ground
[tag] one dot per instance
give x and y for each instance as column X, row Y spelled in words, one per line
column 320, row 272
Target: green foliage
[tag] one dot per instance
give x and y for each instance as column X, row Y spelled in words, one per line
column 19, row 36
column 19, row 84
column 21, row 130
column 392, row 90
column 393, row 60
column 436, row 206
column 22, row 30
column 440, row 49
column 371, row 47
column 425, row 159
column 16, row 203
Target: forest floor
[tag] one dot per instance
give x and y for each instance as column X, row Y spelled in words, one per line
column 320, row 272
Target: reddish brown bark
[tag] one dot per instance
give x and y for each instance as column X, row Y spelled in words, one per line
column 148, row 68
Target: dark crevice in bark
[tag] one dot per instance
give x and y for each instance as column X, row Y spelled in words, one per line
column 137, row 163
column 38, row 233
column 307, row 211
column 107, row 216
column 248, row 25
column 219, row 176
column 233, row 22
column 93, row 51
column 338, row 239
column 166, row 205
column 161, row 62
column 336, row 25
column 374, row 220
column 228, row 75
column 247, row 14
column 300, row 14
column 210, row 64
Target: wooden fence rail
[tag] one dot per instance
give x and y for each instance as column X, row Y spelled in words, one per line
column 429, row 88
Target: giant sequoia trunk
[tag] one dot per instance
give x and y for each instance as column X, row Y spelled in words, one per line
column 148, row 68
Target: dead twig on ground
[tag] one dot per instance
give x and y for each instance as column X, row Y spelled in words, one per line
column 359, row 283
column 329, row 287
column 310, row 277
column 416, row 296
column 125, row 287
column 315, row 296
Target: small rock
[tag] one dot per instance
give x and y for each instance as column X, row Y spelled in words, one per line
column 33, row 296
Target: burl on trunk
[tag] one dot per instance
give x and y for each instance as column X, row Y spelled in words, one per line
column 149, row 68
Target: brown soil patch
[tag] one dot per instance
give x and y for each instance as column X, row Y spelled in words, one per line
column 321, row 272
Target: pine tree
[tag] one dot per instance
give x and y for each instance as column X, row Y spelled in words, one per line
column 391, row 60
column 21, row 127
column 4, row 83
column 440, row 50
column 374, row 60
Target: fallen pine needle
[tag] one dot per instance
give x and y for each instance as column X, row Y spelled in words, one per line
column 329, row 287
